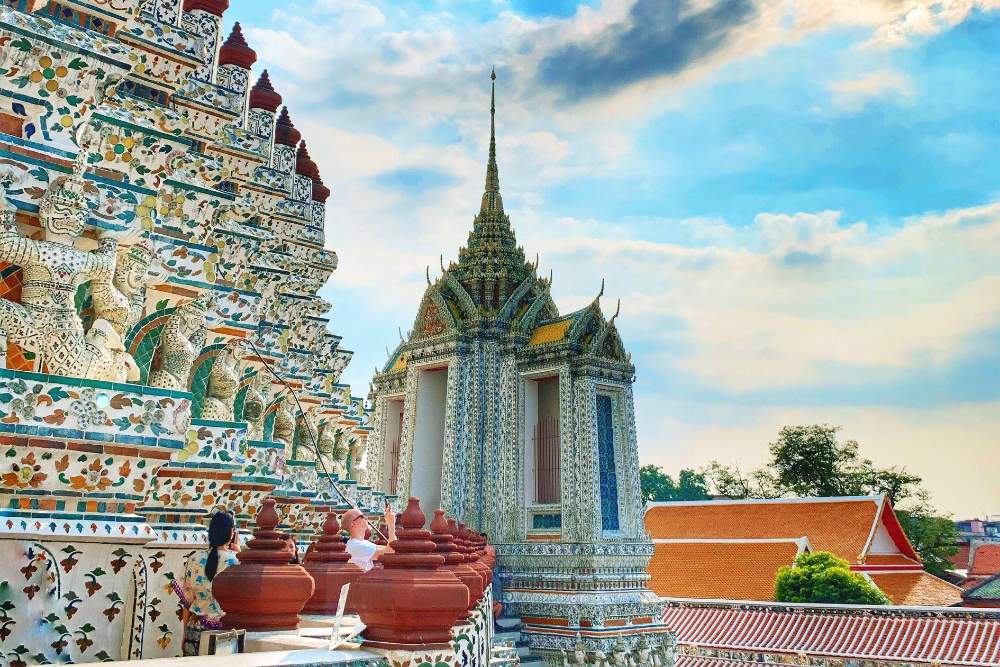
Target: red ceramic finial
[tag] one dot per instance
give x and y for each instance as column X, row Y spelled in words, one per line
column 330, row 567
column 304, row 165
column 320, row 192
column 455, row 561
column 267, row 516
column 412, row 517
column 236, row 51
column 465, row 535
column 439, row 525
column 489, row 551
column 412, row 600
column 284, row 132
column 456, row 537
column 263, row 592
column 215, row 7
column 263, row 95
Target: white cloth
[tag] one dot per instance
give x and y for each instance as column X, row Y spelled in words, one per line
column 362, row 553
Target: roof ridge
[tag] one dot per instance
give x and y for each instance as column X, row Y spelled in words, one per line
column 729, row 540
column 763, row 501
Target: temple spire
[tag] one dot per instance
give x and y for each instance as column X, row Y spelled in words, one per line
column 492, row 203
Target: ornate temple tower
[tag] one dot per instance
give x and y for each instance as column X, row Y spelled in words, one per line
column 520, row 421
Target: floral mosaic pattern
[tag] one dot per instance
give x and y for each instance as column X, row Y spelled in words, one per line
column 70, row 409
column 58, row 82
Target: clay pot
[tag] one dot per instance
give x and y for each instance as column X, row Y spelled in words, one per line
column 463, row 536
column 330, row 567
column 455, row 560
column 263, row 592
column 412, row 600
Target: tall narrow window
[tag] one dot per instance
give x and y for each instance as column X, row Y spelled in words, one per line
column 392, row 440
column 394, row 458
column 547, row 460
column 543, row 485
column 606, row 462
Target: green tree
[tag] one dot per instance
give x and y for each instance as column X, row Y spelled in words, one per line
column 933, row 537
column 821, row 577
column 658, row 486
column 810, row 461
column 731, row 482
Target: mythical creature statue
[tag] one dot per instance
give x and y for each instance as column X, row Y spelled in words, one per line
column 328, row 441
column 356, row 449
column 284, row 425
column 643, row 651
column 46, row 321
column 120, row 297
column 120, row 300
column 577, row 657
column 180, row 344
column 253, row 409
column 223, row 381
column 306, row 438
column 620, row 654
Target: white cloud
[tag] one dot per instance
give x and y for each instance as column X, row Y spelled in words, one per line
column 906, row 20
column 853, row 94
column 798, row 299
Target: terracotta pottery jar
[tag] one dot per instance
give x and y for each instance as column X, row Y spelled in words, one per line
column 330, row 567
column 263, row 592
column 455, row 560
column 462, row 537
column 411, row 600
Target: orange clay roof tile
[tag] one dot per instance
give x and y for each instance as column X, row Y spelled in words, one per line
column 985, row 560
column 917, row 589
column 841, row 527
column 718, row 570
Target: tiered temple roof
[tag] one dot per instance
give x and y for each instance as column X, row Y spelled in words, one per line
column 742, row 543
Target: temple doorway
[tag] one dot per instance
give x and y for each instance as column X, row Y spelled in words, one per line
column 392, row 445
column 428, row 437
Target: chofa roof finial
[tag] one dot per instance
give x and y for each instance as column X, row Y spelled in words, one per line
column 618, row 309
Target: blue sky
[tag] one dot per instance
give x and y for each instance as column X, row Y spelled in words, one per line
column 796, row 201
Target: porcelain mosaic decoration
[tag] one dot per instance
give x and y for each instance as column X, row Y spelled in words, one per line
column 161, row 240
column 571, row 545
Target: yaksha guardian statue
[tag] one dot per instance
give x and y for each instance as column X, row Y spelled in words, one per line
column 223, row 382
column 120, row 299
column 284, row 424
column 180, row 344
column 46, row 321
column 254, row 405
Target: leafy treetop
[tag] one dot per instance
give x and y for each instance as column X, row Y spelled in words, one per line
column 821, row 577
